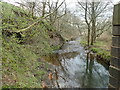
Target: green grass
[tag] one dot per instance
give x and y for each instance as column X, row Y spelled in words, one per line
column 84, row 43
column 12, row 21
column 97, row 48
column 105, row 54
column 98, row 43
column 19, row 61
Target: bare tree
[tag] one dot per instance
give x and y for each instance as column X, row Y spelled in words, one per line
column 43, row 8
column 53, row 7
column 29, row 5
column 45, row 16
column 93, row 12
column 70, row 25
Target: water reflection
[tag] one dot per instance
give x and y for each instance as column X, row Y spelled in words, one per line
column 77, row 68
column 55, row 58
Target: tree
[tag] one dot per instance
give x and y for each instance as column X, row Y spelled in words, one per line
column 93, row 13
column 70, row 25
column 57, row 13
column 50, row 14
column 29, row 5
column 43, row 9
column 93, row 19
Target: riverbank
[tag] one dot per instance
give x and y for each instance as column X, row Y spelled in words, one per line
column 22, row 64
column 102, row 53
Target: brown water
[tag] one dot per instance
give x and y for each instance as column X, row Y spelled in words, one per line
column 75, row 67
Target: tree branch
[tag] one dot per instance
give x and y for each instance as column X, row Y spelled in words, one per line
column 39, row 19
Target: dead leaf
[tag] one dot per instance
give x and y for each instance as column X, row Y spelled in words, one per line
column 50, row 76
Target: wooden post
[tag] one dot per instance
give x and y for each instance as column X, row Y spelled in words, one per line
column 114, row 70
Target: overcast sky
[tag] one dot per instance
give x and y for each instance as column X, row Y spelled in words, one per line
column 68, row 1
column 71, row 4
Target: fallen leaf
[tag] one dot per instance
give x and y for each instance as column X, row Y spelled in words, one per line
column 50, row 76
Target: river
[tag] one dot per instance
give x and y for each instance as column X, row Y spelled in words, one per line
column 76, row 68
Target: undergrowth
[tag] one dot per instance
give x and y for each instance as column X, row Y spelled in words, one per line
column 20, row 51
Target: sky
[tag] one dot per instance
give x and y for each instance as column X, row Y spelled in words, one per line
column 71, row 4
column 68, row 1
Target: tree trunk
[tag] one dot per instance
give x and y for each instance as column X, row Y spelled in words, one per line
column 88, row 36
column 32, row 8
column 43, row 9
column 93, row 33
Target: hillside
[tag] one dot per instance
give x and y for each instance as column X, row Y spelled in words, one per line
column 21, row 52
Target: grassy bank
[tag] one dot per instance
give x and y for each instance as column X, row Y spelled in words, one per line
column 101, row 47
column 21, row 52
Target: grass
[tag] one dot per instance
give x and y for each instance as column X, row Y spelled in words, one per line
column 18, row 64
column 101, row 52
column 84, row 42
column 19, row 61
column 102, row 46
column 98, row 49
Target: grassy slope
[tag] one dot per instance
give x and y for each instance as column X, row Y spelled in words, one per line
column 19, row 61
column 102, row 46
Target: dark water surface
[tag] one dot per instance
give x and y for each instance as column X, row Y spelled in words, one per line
column 75, row 67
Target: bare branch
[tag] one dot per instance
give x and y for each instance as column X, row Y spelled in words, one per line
column 40, row 19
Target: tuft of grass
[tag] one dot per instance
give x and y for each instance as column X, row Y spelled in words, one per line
column 84, row 43
column 55, row 47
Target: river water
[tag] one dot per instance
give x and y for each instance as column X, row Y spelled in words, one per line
column 76, row 68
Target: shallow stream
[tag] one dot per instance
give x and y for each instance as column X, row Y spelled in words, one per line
column 75, row 67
